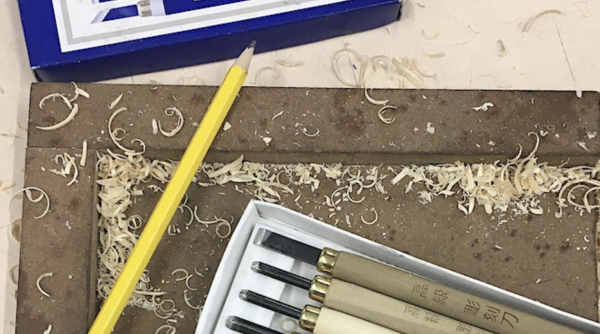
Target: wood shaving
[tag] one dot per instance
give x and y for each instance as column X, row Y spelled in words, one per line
column 259, row 74
column 430, row 129
column 437, row 55
column 583, row 145
column 79, row 92
column 28, row 194
column 7, row 186
column 474, row 29
column 48, row 330
column 372, row 221
column 591, row 135
column 430, row 36
column 83, row 159
column 188, row 303
column 187, row 282
column 38, row 281
column 530, row 22
column 225, row 224
column 13, row 273
column 289, row 62
column 53, row 97
column 115, row 102
column 305, row 132
column 381, row 112
column 267, row 140
column 15, row 230
column 277, row 115
column 166, row 329
column 182, row 277
column 226, row 126
column 154, row 127
column 406, row 72
column 484, row 107
column 116, row 141
column 69, row 166
column 180, row 121
column 70, row 117
column 501, row 48
column 422, row 72
column 373, row 101
column 353, row 57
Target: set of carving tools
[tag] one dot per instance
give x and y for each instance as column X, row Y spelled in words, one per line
column 282, row 267
column 360, row 295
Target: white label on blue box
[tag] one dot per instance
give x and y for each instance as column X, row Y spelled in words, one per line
column 84, row 24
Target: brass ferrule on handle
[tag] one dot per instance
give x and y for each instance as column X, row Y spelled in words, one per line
column 319, row 288
column 309, row 317
column 327, row 260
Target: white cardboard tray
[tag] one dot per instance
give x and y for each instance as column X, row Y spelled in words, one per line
column 235, row 274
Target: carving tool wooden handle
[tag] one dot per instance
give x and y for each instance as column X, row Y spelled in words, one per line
column 334, row 322
column 383, row 310
column 416, row 290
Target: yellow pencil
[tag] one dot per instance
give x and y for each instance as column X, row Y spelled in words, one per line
column 173, row 194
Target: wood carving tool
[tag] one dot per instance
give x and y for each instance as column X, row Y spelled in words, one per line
column 369, row 305
column 317, row 320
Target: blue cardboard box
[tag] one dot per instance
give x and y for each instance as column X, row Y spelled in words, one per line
column 91, row 40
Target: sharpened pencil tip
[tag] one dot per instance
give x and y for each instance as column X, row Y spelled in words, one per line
column 252, row 44
column 256, row 266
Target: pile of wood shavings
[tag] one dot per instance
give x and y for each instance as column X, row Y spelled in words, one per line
column 118, row 179
column 121, row 179
column 378, row 70
column 513, row 186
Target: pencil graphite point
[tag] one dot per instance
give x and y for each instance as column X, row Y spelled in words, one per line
column 243, row 60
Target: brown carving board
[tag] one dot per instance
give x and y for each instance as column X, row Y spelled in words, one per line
column 540, row 257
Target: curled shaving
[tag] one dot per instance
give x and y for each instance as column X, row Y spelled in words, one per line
column 39, row 280
column 259, row 74
column 13, row 273
column 70, row 117
column 79, row 92
column 530, row 22
column 372, row 100
column 53, row 97
column 335, row 65
column 188, row 303
column 166, row 329
column 16, row 230
column 371, row 222
column 180, row 121
column 28, row 194
column 116, row 140
column 381, row 112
